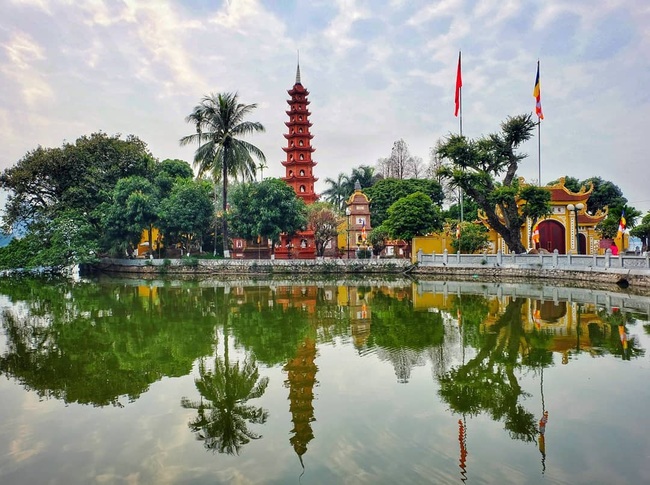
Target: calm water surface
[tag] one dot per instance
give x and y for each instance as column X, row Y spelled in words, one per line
column 110, row 381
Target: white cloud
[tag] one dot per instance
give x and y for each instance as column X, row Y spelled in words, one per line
column 377, row 71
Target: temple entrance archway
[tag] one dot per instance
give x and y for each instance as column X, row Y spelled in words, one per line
column 552, row 236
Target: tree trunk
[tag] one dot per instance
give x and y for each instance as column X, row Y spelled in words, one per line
column 224, row 174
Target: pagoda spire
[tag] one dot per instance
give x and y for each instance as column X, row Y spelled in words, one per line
column 298, row 70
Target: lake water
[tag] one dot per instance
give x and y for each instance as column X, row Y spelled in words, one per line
column 114, row 381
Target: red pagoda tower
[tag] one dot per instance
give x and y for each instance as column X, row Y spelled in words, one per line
column 299, row 169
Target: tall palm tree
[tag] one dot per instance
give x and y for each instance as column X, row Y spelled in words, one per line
column 338, row 191
column 220, row 121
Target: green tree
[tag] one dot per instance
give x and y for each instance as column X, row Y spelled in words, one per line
column 186, row 216
column 473, row 238
column 643, row 231
column 220, row 122
column 167, row 172
column 365, row 175
column 222, row 411
column 413, row 215
column 609, row 227
column 324, row 221
column 337, row 191
column 537, row 203
column 476, row 165
column 268, row 209
column 388, row 191
column 78, row 177
column 378, row 238
column 488, row 383
column 604, row 193
column 470, row 211
column 134, row 209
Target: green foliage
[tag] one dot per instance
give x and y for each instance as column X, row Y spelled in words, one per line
column 604, row 194
column 134, row 208
column 364, row 253
column 220, row 124
column 78, row 177
column 537, row 202
column 413, row 215
column 473, row 238
column 167, row 172
column 339, row 190
column 609, row 227
column 470, row 211
column 188, row 212
column 267, row 209
column 378, row 238
column 386, row 192
column 102, row 345
column 643, row 230
column 485, row 169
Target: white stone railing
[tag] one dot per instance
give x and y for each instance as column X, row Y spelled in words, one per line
column 541, row 261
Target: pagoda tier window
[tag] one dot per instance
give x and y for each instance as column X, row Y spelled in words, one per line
column 302, row 173
column 300, row 130
column 290, row 173
column 303, row 188
column 302, row 157
column 291, row 157
column 301, row 143
column 300, row 118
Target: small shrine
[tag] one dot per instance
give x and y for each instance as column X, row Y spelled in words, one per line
column 357, row 223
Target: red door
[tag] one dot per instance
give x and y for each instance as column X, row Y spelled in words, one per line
column 551, row 236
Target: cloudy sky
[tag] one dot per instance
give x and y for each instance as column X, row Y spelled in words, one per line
column 377, row 70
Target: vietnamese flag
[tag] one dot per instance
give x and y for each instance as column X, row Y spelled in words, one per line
column 459, row 85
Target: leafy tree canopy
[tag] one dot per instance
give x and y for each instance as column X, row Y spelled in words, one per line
column 78, row 177
column 413, row 215
column 604, row 194
column 188, row 212
column 388, row 191
column 268, row 209
column 220, row 122
column 473, row 238
column 486, row 168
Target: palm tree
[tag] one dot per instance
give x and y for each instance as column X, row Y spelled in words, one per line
column 219, row 121
column 338, row 191
column 222, row 411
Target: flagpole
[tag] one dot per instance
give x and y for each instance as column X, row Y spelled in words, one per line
column 459, row 85
column 537, row 93
column 539, row 153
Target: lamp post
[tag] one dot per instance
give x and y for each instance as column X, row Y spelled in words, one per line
column 575, row 209
column 347, row 250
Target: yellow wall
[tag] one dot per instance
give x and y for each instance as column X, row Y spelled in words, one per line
column 435, row 243
column 143, row 245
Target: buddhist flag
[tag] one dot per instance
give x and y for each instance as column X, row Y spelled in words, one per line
column 363, row 230
column 537, row 93
column 622, row 224
column 535, row 237
column 459, row 85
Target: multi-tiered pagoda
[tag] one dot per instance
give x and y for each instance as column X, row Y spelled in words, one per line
column 299, row 169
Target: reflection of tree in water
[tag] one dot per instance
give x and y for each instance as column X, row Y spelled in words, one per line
column 403, row 360
column 613, row 338
column 403, row 336
column 223, row 415
column 93, row 343
column 487, row 382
